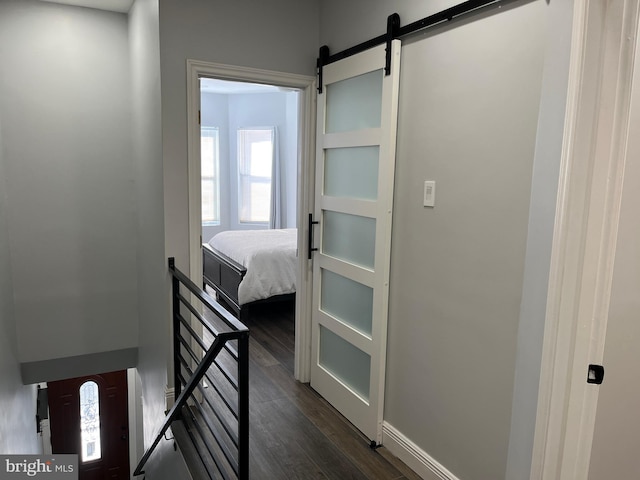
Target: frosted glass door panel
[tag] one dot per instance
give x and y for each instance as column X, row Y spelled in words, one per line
column 350, row 238
column 349, row 364
column 355, row 103
column 352, row 172
column 348, row 301
column 353, row 201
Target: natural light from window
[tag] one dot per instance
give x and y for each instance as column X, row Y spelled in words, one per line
column 209, row 152
column 255, row 167
column 90, row 421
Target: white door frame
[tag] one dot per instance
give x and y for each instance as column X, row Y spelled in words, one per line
column 306, row 135
column 588, row 206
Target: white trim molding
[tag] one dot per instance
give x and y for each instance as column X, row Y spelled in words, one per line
column 195, row 70
column 306, row 195
column 588, row 207
column 169, row 397
column 306, row 140
column 417, row 459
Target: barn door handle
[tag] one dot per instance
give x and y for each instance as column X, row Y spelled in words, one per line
column 311, row 224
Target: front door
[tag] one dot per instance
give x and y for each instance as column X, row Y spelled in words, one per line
column 355, row 165
column 89, row 417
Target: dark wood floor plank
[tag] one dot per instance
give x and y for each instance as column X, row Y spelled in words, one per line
column 271, row 343
column 334, row 426
column 303, row 445
column 294, row 432
column 261, row 388
column 287, row 456
column 325, row 453
column 261, row 355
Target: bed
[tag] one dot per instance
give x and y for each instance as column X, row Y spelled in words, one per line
column 246, row 267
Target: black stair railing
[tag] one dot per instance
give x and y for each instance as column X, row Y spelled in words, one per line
column 211, row 380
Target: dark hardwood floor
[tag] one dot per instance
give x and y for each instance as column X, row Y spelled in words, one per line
column 294, row 433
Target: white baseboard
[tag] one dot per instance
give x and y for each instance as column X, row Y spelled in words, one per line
column 415, row 458
column 169, row 397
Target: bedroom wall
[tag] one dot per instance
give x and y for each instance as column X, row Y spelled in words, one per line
column 65, row 108
column 215, row 113
column 292, row 152
column 469, row 103
column 17, row 414
column 229, row 112
column 280, row 35
column 264, row 110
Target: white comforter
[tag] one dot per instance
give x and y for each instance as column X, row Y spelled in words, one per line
column 269, row 257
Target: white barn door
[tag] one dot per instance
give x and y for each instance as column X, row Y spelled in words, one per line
column 355, row 165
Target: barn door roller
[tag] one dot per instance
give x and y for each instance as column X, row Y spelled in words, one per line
column 394, row 30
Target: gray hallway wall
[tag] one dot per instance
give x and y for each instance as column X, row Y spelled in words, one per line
column 65, row 109
column 470, row 95
column 17, row 414
column 280, row 35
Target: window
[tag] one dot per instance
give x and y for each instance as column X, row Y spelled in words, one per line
column 90, row 421
column 210, row 176
column 255, row 166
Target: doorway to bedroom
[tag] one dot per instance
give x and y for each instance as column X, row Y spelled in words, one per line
column 248, row 158
column 249, row 152
column 249, row 148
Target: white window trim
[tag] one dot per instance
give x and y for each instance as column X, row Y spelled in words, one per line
column 216, row 176
column 239, row 175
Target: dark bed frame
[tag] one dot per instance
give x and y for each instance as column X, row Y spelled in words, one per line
column 224, row 275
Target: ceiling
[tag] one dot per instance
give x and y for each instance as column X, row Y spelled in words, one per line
column 122, row 6
column 208, row 85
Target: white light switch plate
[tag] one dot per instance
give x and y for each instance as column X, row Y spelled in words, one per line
column 429, row 193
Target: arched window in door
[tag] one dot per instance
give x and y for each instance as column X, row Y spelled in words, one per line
column 90, row 421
